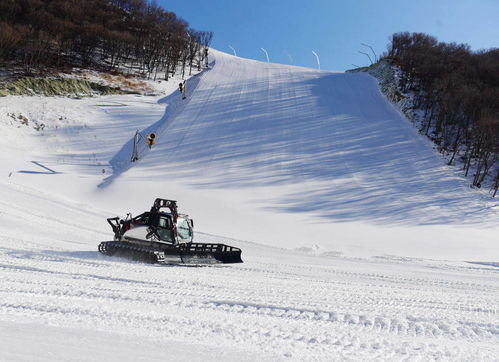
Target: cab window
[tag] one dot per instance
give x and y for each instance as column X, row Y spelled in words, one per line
column 163, row 223
column 184, row 230
column 164, row 229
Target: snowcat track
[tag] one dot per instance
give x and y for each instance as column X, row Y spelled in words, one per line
column 191, row 253
column 135, row 252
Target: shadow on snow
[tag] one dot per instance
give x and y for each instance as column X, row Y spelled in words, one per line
column 335, row 131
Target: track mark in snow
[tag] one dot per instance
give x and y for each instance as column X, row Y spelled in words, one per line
column 407, row 326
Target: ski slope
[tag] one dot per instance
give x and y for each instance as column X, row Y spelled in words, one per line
column 276, row 145
column 359, row 242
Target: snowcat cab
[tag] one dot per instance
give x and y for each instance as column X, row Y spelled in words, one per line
column 164, row 236
column 157, row 225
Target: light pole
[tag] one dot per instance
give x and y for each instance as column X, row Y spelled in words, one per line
column 266, row 54
column 367, row 55
column 234, row 50
column 289, row 56
column 370, row 47
column 317, row 58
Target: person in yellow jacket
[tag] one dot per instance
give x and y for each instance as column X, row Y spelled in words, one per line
column 150, row 139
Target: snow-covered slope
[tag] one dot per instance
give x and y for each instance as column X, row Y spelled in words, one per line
column 266, row 157
column 289, row 157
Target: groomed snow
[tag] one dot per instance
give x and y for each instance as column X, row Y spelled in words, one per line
column 358, row 241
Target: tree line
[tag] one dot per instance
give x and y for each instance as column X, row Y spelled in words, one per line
column 457, row 91
column 110, row 35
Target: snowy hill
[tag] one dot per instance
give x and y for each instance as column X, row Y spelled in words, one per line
column 356, row 237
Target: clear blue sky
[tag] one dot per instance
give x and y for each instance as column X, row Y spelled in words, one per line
column 290, row 29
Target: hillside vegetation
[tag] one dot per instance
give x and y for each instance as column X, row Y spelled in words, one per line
column 456, row 92
column 52, row 87
column 112, row 35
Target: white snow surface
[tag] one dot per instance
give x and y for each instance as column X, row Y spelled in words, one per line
column 359, row 243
